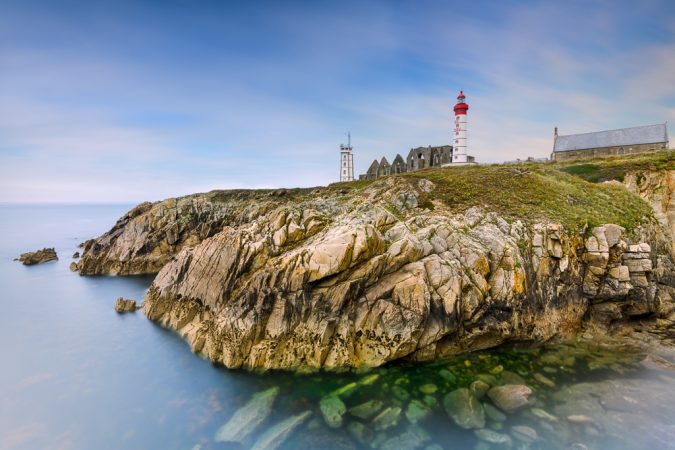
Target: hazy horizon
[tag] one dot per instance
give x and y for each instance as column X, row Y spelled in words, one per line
column 130, row 101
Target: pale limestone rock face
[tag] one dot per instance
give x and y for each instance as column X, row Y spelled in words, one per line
column 349, row 281
column 383, row 282
column 658, row 189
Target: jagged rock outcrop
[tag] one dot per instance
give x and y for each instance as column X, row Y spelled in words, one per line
column 123, row 305
column 148, row 236
column 369, row 280
column 658, row 189
column 38, row 257
column 417, row 267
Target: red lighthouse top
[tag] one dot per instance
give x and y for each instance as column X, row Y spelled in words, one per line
column 461, row 107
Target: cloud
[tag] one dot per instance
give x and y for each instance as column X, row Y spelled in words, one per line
column 136, row 103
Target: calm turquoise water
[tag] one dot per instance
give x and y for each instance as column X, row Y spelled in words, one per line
column 76, row 375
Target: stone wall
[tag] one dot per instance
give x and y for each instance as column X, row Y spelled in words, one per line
column 418, row 158
column 608, row 151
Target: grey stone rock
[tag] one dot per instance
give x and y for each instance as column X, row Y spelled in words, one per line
column 387, row 418
column 332, row 409
column 276, row 435
column 412, row 439
column 493, row 413
column 479, row 388
column 494, row 437
column 510, row 397
column 248, row 418
column 417, row 411
column 367, row 409
column 544, row 415
column 544, row 380
column 464, row 409
column 524, row 433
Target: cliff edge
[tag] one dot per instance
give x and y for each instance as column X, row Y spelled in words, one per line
column 419, row 266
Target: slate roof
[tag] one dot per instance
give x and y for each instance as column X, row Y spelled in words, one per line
column 648, row 134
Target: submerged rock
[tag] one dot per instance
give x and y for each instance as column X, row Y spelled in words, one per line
column 412, row 439
column 428, row 388
column 248, row 418
column 524, row 433
column 544, row 380
column 387, row 418
column 510, row 397
column 542, row 414
column 346, row 389
column 321, row 438
column 275, row 436
column 400, row 393
column 417, row 411
column 38, row 257
column 509, row 377
column 464, row 409
column 367, row 409
column 125, row 305
column 332, row 409
column 493, row 413
column 494, row 437
column 360, row 432
column 447, row 375
column 479, row 388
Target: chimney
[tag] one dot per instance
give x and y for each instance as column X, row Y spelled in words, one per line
column 555, row 132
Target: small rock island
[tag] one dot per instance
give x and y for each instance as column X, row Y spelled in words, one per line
column 418, row 266
column 38, row 257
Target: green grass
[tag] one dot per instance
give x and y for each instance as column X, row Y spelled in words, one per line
column 616, row 167
column 356, row 184
column 542, row 192
column 569, row 192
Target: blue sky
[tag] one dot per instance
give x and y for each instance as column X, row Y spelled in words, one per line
column 107, row 101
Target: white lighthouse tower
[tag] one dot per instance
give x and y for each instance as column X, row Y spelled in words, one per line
column 347, row 160
column 459, row 147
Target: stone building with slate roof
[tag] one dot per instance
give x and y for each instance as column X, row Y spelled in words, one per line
column 624, row 141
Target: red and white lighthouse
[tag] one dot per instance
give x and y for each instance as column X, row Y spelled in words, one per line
column 459, row 146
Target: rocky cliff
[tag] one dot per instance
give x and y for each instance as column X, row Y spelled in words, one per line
column 148, row 236
column 418, row 267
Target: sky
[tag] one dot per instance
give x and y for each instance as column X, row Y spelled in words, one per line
column 127, row 101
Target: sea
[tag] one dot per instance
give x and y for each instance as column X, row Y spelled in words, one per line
column 74, row 374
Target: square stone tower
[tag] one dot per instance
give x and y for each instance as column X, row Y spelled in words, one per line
column 346, row 161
